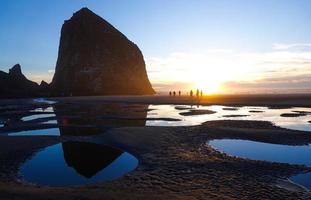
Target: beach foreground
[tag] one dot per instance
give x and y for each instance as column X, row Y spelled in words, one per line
column 174, row 162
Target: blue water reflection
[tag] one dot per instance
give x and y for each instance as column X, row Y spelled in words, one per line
column 39, row 132
column 37, row 116
column 77, row 163
column 269, row 152
column 264, row 151
column 303, row 179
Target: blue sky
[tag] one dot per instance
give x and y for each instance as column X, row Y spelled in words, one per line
column 30, row 31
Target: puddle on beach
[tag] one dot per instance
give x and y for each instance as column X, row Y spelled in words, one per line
column 228, row 113
column 268, row 152
column 303, row 179
column 37, row 116
column 264, row 151
column 92, row 119
column 39, row 132
column 110, row 115
column 50, row 122
column 47, row 109
column 44, row 101
column 77, row 163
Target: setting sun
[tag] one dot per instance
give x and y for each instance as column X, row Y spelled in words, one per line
column 208, row 87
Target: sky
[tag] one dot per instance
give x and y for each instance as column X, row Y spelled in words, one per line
column 223, row 46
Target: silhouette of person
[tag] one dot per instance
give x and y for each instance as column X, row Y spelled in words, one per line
column 179, row 93
column 201, row 93
column 197, row 94
column 170, row 93
column 174, row 93
column 191, row 93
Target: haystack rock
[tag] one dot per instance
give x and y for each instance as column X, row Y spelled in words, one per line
column 94, row 58
column 15, row 84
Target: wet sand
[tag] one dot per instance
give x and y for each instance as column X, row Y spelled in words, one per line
column 197, row 112
column 235, row 116
column 255, row 111
column 293, row 114
column 174, row 163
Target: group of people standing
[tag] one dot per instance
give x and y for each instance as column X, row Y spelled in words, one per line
column 199, row 93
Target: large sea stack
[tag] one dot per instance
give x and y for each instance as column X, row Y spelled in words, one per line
column 95, row 58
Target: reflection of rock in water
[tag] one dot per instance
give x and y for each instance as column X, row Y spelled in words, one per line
column 87, row 158
column 95, row 118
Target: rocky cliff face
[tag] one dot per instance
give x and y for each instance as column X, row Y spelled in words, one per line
column 15, row 84
column 94, row 58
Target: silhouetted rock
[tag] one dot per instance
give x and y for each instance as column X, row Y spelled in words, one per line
column 15, row 84
column 16, row 71
column 94, row 58
column 44, row 89
column 44, row 84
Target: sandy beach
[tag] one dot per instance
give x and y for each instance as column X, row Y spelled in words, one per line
column 174, row 162
column 155, row 100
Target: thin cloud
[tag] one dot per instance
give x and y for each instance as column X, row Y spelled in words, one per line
column 287, row 67
column 289, row 84
column 297, row 46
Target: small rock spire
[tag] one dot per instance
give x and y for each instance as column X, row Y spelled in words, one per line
column 15, row 70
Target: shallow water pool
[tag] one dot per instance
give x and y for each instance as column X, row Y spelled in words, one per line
column 39, row 132
column 77, row 163
column 37, row 116
column 303, row 179
column 268, row 152
column 111, row 115
column 43, row 110
column 227, row 113
column 264, row 151
column 43, row 100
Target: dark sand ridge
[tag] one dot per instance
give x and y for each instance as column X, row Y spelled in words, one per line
column 183, row 108
column 296, row 113
column 232, row 108
column 292, row 114
column 175, row 163
column 302, row 112
column 256, row 111
column 235, row 115
column 197, row 112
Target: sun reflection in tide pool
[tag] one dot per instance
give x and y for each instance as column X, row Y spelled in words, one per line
column 241, row 113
